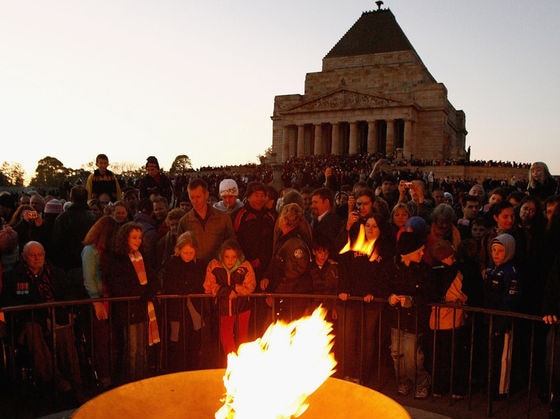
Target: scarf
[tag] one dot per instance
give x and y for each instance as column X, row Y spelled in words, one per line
column 138, row 263
column 43, row 281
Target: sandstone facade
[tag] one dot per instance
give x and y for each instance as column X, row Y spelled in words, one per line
column 373, row 95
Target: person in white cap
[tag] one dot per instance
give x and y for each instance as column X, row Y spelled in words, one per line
column 229, row 200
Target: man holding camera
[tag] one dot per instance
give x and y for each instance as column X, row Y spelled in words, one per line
column 413, row 193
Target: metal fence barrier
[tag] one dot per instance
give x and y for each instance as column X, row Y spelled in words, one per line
column 468, row 359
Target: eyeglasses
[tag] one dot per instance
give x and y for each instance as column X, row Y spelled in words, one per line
column 360, row 203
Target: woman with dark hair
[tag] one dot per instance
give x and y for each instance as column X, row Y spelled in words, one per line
column 365, row 267
column 128, row 276
column 502, row 215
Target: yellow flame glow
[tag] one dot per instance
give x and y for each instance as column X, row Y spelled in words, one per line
column 271, row 377
column 361, row 245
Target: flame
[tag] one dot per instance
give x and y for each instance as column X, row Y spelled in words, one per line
column 271, row 377
column 361, row 245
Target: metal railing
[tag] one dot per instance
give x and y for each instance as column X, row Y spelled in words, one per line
column 183, row 347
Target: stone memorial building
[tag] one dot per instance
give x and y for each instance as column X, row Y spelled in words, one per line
column 373, row 95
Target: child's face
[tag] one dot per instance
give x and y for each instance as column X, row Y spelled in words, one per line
column 498, row 254
column 415, row 256
column 494, row 199
column 134, row 240
column 400, row 216
column 321, row 256
column 229, row 258
column 102, row 165
column 478, row 231
column 187, row 253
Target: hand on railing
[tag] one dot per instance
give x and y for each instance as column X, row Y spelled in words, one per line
column 550, row 319
column 368, row 298
column 100, row 311
column 404, row 300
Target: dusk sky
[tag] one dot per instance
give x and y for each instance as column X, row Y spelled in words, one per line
column 165, row 78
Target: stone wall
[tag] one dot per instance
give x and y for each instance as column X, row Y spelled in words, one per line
column 480, row 173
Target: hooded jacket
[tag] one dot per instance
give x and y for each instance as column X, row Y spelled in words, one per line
column 221, row 282
column 502, row 287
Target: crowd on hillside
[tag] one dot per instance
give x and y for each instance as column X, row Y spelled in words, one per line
column 385, row 241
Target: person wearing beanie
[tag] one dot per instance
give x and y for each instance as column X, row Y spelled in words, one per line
column 254, row 228
column 449, row 322
column 442, row 227
column 409, row 246
column 254, row 225
column 416, row 224
column 502, row 291
column 410, row 291
column 155, row 182
column 53, row 206
column 229, row 201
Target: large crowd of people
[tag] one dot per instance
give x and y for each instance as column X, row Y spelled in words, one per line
column 390, row 241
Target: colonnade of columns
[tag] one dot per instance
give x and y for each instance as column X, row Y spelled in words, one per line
column 352, row 137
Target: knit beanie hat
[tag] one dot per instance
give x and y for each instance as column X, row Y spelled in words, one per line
column 409, row 242
column 152, row 160
column 442, row 249
column 228, row 187
column 416, row 224
column 255, row 186
column 53, row 206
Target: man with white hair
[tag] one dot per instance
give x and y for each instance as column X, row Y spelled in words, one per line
column 33, row 281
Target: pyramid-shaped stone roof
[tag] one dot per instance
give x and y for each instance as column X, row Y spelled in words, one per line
column 373, row 33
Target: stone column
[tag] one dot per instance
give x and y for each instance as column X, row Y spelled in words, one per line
column 301, row 140
column 285, row 143
column 335, row 139
column 353, row 143
column 317, row 140
column 371, row 138
column 408, row 147
column 390, row 144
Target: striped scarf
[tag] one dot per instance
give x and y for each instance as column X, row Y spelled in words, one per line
column 138, row 263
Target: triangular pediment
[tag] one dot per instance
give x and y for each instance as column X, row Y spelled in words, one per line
column 343, row 100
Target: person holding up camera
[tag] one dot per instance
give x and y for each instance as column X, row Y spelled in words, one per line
column 413, row 193
column 29, row 225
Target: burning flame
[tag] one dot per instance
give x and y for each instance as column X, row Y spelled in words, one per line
column 361, row 245
column 271, row 377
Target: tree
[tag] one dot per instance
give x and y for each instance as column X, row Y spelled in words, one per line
column 50, row 172
column 4, row 181
column 12, row 174
column 181, row 165
column 268, row 157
